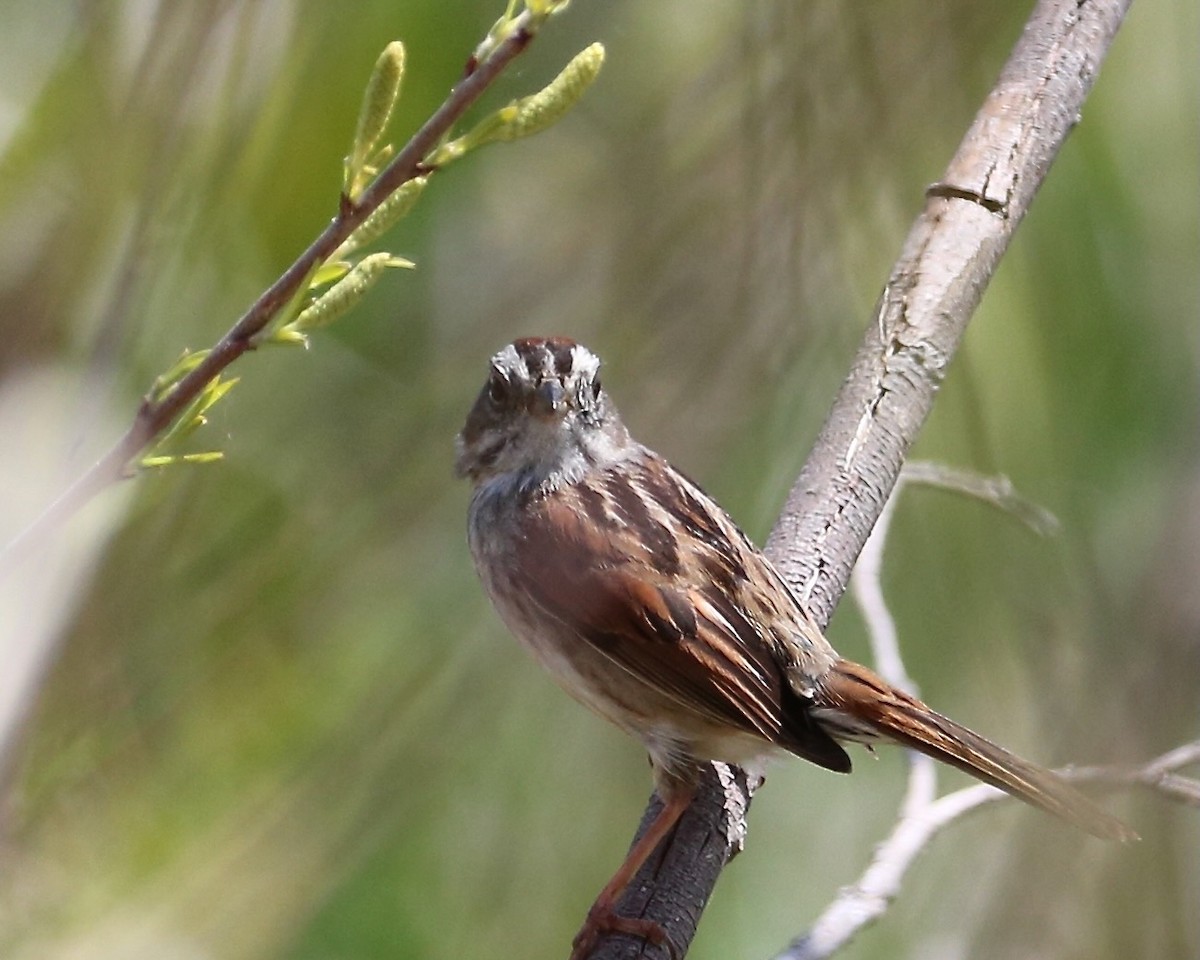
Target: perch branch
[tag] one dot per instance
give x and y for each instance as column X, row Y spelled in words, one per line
column 947, row 260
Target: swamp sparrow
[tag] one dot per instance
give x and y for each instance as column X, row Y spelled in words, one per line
column 648, row 604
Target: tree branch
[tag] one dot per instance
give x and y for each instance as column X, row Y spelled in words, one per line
column 947, row 260
column 864, row 902
column 154, row 416
column 923, row 816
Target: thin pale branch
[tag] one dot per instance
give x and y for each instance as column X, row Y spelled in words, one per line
column 866, row 581
column 864, row 902
column 922, row 815
column 867, row 587
column 948, row 258
column 996, row 490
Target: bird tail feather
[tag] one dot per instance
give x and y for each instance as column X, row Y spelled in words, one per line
column 856, row 704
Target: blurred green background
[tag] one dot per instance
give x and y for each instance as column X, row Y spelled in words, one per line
column 277, row 717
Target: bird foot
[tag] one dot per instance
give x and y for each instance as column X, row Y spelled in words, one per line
column 601, row 920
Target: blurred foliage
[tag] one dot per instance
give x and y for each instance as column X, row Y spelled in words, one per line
column 280, row 720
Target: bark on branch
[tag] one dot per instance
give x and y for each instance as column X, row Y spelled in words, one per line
column 947, row 260
column 154, row 416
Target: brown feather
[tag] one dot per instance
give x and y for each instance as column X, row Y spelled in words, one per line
column 648, row 604
column 688, row 636
column 852, row 691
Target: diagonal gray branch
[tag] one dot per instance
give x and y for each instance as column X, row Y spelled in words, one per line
column 947, row 260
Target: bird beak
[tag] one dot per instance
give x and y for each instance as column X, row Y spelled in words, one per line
column 549, row 399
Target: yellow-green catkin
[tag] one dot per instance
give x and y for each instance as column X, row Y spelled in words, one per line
column 383, row 90
column 546, row 8
column 394, row 209
column 346, row 293
column 543, row 109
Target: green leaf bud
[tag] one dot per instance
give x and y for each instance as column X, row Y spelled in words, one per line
column 394, row 209
column 346, row 293
column 383, row 90
column 538, row 111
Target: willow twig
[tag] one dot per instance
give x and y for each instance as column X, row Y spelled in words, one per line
column 154, row 416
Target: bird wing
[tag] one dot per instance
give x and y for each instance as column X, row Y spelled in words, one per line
column 663, row 584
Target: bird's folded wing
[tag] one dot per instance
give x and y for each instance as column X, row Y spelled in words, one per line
column 683, row 635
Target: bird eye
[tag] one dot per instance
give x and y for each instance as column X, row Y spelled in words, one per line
column 497, row 388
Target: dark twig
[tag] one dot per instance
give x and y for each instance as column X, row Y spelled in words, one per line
column 154, row 416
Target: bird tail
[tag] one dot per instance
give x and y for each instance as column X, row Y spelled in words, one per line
column 854, row 703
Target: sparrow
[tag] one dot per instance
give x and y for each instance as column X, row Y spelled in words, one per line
column 647, row 603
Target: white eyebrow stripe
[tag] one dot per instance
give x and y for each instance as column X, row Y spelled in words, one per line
column 584, row 363
column 506, row 360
